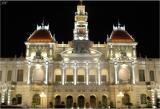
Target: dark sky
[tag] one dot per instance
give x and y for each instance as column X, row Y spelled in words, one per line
column 19, row 20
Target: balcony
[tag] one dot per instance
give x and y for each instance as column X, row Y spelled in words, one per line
column 80, row 87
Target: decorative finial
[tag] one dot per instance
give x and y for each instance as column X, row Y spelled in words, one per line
column 119, row 23
column 43, row 23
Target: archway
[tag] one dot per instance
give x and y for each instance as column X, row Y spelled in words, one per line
column 125, row 99
column 14, row 101
column 81, row 101
column 69, row 101
column 36, row 99
column 57, row 100
column 93, row 101
column 124, row 74
column 19, row 99
column 104, row 101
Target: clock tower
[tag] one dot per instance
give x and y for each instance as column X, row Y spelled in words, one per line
column 81, row 41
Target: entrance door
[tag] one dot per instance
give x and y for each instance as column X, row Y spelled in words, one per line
column 81, row 101
column 69, row 101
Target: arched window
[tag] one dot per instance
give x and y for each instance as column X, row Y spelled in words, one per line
column 69, row 101
column 93, row 101
column 143, row 98
column 126, row 99
column 36, row 99
column 19, row 99
column 57, row 100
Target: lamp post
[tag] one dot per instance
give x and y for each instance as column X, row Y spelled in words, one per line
column 42, row 95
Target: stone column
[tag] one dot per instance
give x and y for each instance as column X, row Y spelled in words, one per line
column 75, row 74
column 87, row 74
column 29, row 73
column 46, row 73
column 115, row 73
column 133, row 73
column 63, row 74
column 99, row 74
column 134, row 51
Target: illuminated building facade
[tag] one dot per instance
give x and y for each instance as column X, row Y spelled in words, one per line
column 80, row 72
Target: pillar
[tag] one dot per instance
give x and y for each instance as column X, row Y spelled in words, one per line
column 63, row 74
column 75, row 74
column 29, row 73
column 50, row 50
column 46, row 73
column 133, row 73
column 99, row 74
column 87, row 75
column 134, row 51
column 115, row 73
column 27, row 52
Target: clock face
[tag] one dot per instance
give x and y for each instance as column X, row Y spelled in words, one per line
column 81, row 32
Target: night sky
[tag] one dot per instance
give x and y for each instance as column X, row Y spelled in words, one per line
column 19, row 20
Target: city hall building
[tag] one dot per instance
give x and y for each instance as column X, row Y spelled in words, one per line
column 80, row 72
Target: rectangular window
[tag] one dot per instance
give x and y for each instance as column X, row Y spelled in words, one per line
column 20, row 75
column 9, row 75
column 141, row 75
column 80, row 78
column 58, row 78
column 92, row 78
column 0, row 75
column 151, row 75
column 69, row 78
column 103, row 78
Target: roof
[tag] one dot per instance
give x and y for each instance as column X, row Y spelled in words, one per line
column 42, row 34
column 119, row 34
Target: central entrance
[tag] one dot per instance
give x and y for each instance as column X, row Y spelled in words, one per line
column 69, row 101
column 81, row 101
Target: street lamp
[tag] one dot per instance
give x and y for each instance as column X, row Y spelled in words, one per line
column 42, row 95
column 120, row 94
